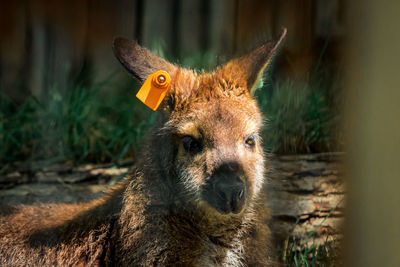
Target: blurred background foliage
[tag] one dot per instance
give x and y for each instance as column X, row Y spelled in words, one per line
column 64, row 97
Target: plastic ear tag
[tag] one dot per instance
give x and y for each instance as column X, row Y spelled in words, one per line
column 154, row 89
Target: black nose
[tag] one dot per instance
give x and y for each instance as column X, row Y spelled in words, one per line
column 225, row 190
column 230, row 194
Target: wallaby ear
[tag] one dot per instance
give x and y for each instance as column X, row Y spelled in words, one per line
column 138, row 60
column 246, row 70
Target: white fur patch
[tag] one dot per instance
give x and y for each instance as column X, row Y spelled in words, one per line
column 234, row 257
column 260, row 172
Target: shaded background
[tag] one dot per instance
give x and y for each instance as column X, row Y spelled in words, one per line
column 38, row 37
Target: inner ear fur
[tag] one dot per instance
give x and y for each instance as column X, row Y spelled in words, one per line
column 246, row 70
column 138, row 60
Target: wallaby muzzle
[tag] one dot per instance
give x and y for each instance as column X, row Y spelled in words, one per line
column 225, row 190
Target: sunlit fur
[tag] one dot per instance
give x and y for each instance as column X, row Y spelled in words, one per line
column 223, row 123
column 157, row 215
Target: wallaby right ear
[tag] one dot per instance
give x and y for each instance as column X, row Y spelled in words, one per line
column 138, row 60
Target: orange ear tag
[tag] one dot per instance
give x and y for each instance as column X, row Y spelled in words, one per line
column 154, row 89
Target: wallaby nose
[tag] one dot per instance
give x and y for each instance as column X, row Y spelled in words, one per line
column 229, row 188
column 230, row 193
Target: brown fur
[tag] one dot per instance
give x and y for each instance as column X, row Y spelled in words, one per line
column 158, row 215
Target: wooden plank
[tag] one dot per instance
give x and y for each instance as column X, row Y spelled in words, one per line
column 306, row 194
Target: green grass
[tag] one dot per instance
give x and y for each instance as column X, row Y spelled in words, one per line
column 83, row 122
column 297, row 253
column 74, row 122
column 301, row 117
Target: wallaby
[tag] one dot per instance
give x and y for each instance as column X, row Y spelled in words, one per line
column 193, row 197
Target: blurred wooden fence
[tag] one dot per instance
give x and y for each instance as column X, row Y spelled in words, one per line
column 39, row 38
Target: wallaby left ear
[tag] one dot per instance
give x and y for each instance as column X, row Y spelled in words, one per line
column 248, row 68
column 138, row 60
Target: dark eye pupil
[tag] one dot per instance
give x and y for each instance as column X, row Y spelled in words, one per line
column 250, row 141
column 190, row 144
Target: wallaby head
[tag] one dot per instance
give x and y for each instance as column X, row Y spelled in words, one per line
column 209, row 131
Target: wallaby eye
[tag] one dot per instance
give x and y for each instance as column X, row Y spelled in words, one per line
column 251, row 141
column 191, row 144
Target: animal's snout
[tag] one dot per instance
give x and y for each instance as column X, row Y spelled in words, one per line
column 230, row 194
column 226, row 191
